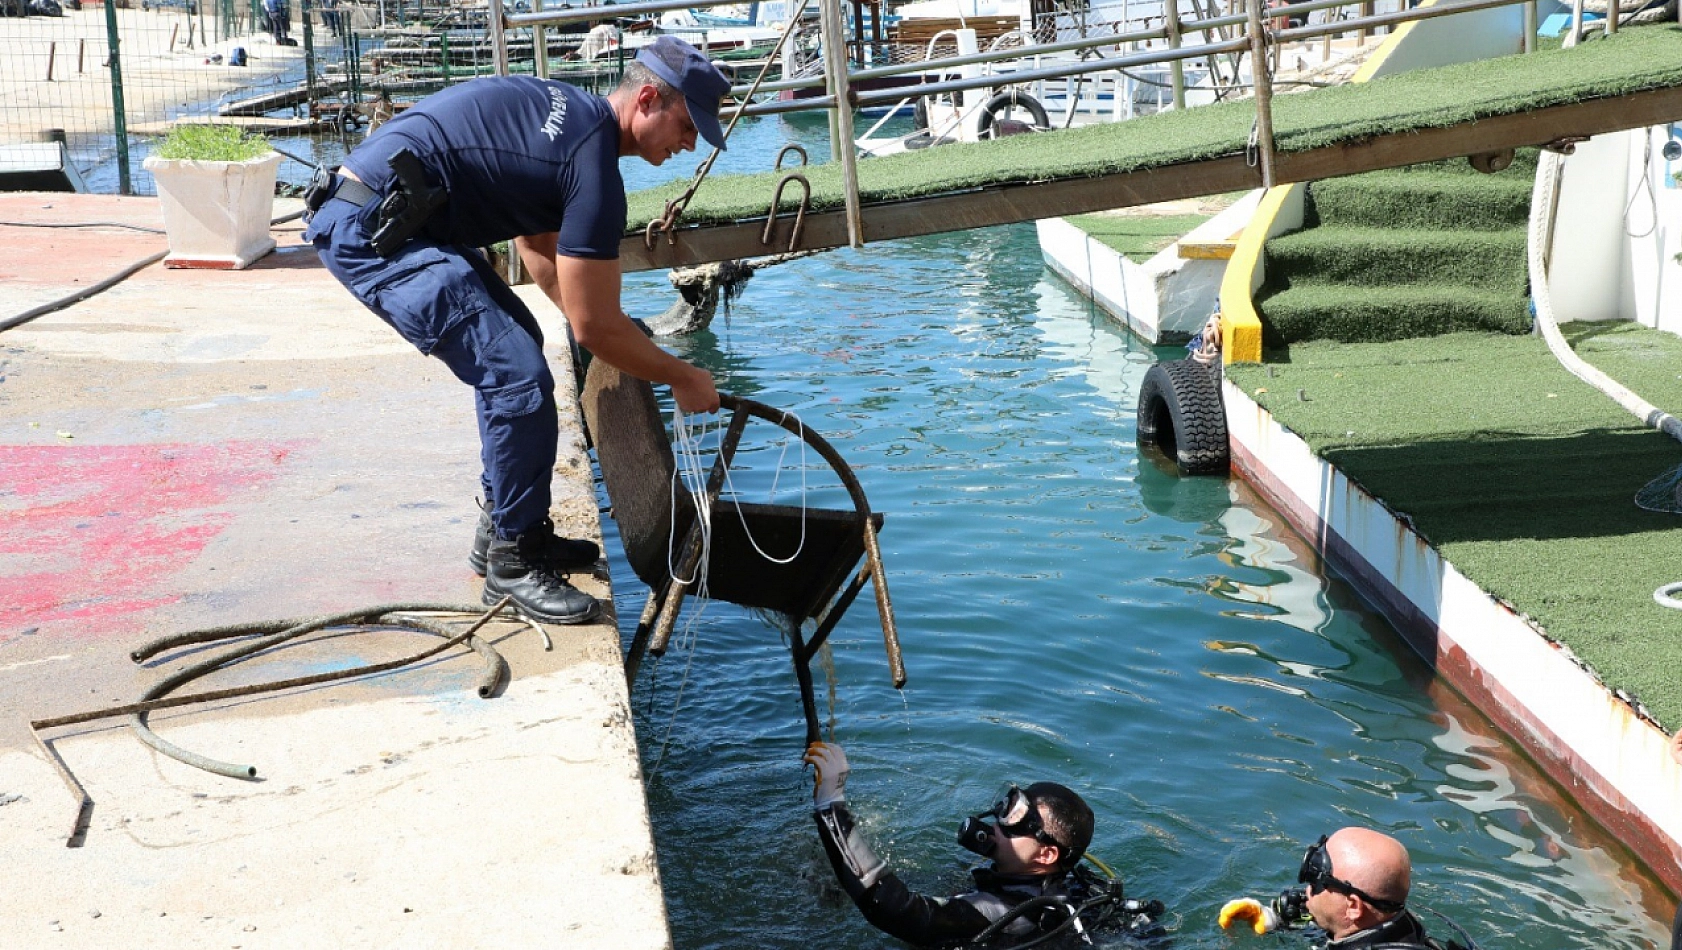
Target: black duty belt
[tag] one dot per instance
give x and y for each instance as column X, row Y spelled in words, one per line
column 353, row 191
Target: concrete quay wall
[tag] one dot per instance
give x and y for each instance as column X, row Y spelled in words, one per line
column 193, row 448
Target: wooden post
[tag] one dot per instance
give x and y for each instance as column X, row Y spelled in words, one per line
column 499, row 38
column 835, row 57
column 540, row 47
column 52, row 54
column 1366, row 31
column 1177, row 70
column 173, row 31
column 1264, row 92
column 81, row 54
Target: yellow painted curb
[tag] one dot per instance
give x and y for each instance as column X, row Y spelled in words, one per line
column 1240, row 324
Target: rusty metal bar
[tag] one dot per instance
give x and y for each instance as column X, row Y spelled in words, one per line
column 84, row 804
column 872, row 548
column 488, row 684
column 837, row 608
column 231, row 770
column 884, row 605
column 498, row 24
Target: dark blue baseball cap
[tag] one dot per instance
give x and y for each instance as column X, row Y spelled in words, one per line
column 686, row 69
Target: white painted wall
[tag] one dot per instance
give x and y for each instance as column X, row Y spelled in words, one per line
column 1653, row 222
column 1164, row 300
column 1587, row 267
column 1618, row 231
column 1462, row 38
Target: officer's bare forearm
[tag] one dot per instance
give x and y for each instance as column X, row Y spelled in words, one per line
column 589, row 297
column 537, row 253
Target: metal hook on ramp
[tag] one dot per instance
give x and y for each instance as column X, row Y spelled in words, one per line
column 799, row 214
column 791, row 147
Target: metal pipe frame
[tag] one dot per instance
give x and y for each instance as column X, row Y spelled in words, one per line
column 1161, row 33
column 1383, row 19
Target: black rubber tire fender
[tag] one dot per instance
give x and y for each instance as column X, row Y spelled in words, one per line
column 1181, row 413
column 1003, row 102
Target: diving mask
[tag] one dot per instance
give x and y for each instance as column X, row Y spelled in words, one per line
column 1013, row 815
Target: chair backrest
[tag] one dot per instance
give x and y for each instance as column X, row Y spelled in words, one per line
column 637, row 464
column 636, row 459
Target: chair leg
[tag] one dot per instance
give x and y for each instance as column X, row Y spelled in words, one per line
column 803, row 674
column 645, row 627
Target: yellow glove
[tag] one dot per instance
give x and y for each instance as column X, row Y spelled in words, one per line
column 1262, row 919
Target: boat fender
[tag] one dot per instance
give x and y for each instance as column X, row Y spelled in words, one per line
column 1181, row 413
column 992, row 124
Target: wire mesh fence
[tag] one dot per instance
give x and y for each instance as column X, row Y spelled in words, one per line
column 314, row 76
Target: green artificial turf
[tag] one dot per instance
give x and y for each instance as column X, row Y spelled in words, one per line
column 1519, row 474
column 1404, row 198
column 1485, row 260
column 1139, row 237
column 1357, row 314
column 1632, row 60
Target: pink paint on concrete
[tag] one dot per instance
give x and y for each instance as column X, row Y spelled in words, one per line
column 92, row 533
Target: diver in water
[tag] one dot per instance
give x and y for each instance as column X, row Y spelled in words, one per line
column 1355, row 889
column 1033, row 891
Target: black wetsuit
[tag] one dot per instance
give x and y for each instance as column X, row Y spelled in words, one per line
column 927, row 921
column 1401, row 932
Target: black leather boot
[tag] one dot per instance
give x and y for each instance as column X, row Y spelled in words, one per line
column 559, row 553
column 516, row 568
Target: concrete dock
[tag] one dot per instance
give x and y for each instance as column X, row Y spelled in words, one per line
column 196, row 448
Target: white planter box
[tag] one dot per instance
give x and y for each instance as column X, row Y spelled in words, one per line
column 216, row 213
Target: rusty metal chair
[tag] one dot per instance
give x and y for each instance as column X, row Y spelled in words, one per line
column 818, row 584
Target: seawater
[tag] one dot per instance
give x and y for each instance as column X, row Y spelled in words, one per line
column 1069, row 610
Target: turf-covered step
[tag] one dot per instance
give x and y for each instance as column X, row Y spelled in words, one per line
column 1357, row 314
column 1421, row 199
column 1376, row 257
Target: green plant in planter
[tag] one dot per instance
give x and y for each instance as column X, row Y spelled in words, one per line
column 211, row 143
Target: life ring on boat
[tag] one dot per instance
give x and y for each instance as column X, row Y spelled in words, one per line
column 1181, row 413
column 994, row 123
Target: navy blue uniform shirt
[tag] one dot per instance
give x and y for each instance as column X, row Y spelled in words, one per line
column 519, row 156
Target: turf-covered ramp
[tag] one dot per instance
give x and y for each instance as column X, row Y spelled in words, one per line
column 1629, row 80
column 1521, row 475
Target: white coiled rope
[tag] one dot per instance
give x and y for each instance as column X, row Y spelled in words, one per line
column 1543, row 209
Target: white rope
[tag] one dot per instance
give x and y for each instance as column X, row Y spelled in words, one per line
column 689, row 475
column 1543, row 209
column 735, row 497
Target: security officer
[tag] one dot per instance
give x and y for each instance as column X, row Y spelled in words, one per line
column 1355, row 888
column 536, row 162
column 1036, row 837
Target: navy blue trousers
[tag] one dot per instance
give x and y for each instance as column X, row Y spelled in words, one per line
column 448, row 302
